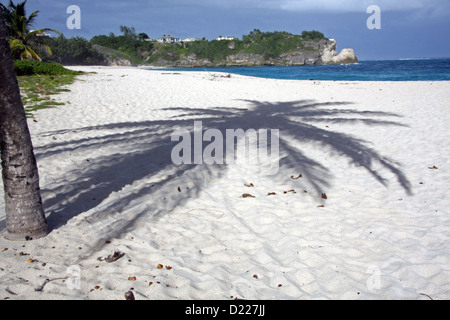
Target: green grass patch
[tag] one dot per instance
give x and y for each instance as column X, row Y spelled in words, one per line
column 28, row 68
column 38, row 81
column 36, row 91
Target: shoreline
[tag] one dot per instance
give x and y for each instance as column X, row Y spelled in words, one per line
column 349, row 75
column 108, row 184
column 367, row 70
column 147, row 68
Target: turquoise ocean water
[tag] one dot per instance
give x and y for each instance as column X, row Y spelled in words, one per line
column 376, row 70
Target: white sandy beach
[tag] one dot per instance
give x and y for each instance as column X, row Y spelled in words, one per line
column 378, row 150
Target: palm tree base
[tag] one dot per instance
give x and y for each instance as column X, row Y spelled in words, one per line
column 27, row 236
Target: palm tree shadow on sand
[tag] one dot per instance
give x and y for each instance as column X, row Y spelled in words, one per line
column 295, row 121
column 135, row 178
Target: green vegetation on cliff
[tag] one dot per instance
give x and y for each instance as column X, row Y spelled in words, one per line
column 137, row 49
column 134, row 48
column 267, row 44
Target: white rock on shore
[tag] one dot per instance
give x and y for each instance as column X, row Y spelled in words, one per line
column 330, row 55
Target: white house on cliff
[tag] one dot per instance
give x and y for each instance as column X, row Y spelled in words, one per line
column 168, row 39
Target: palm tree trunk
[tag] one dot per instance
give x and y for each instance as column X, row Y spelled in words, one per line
column 25, row 218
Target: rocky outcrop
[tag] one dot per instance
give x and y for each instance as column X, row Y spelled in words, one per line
column 114, row 57
column 192, row 61
column 347, row 56
column 120, row 62
column 312, row 53
column 329, row 55
column 298, row 58
column 245, row 59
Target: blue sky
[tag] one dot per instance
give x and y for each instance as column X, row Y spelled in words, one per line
column 409, row 28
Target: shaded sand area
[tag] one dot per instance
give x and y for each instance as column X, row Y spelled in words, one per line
column 359, row 208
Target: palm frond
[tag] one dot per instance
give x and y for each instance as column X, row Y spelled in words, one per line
column 32, row 17
column 18, row 26
column 18, row 49
column 41, row 32
column 20, row 8
column 34, row 55
column 16, row 44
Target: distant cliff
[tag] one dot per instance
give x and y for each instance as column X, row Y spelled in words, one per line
column 312, row 53
column 113, row 57
column 257, row 48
